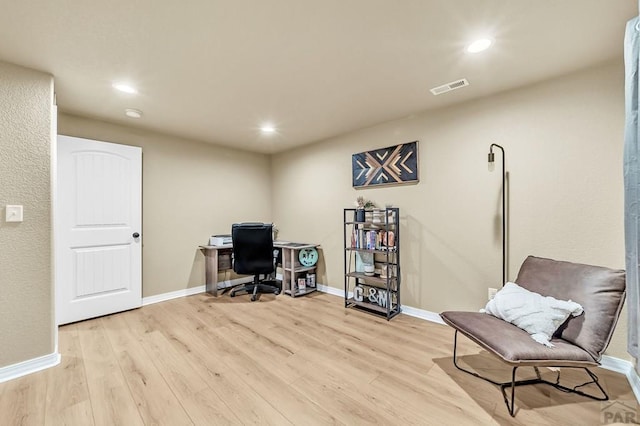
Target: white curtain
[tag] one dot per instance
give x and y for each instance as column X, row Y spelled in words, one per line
column 632, row 183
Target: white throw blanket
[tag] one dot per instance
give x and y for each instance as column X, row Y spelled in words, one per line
column 538, row 315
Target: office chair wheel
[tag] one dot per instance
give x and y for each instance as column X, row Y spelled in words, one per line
column 254, row 297
column 232, row 294
column 277, row 292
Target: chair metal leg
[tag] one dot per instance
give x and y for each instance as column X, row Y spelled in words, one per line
column 537, row 372
column 538, row 380
column 255, row 291
column 473, row 373
column 510, row 407
column 256, row 287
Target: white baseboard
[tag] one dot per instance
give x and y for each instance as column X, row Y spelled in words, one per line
column 634, row 381
column 608, row 362
column 624, row 367
column 192, row 290
column 23, row 368
column 422, row 314
column 330, row 290
column 615, row 364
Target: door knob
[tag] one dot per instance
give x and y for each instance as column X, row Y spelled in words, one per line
column 136, row 235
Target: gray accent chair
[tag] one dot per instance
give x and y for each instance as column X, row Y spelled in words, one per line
column 578, row 343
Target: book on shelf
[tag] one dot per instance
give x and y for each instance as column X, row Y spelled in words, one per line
column 373, row 239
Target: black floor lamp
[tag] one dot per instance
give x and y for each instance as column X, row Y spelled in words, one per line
column 504, row 218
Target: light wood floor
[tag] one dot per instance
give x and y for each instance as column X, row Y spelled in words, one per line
column 305, row 361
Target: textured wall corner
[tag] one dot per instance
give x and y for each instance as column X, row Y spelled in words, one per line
column 26, row 296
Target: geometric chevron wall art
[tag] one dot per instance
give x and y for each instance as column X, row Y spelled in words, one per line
column 394, row 165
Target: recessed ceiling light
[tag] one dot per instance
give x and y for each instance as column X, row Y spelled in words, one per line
column 479, row 45
column 133, row 113
column 123, row 87
column 268, row 128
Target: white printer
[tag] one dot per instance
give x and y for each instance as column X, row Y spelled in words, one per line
column 219, row 240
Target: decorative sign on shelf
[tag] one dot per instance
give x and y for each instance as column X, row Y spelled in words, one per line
column 394, row 165
column 372, row 295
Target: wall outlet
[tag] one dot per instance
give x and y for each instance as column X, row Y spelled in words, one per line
column 491, row 293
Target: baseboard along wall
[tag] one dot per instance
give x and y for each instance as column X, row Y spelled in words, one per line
column 192, row 290
column 29, row 366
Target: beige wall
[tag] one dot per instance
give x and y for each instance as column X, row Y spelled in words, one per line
column 190, row 191
column 564, row 154
column 563, row 140
column 26, row 301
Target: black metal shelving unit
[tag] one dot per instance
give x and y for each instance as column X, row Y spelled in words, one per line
column 370, row 238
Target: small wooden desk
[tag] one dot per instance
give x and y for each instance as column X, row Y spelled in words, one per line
column 211, row 254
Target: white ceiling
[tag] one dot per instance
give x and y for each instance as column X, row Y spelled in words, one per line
column 215, row 70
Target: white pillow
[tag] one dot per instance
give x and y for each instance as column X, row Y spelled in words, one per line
column 538, row 315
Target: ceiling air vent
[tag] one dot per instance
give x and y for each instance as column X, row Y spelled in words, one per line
column 450, row 86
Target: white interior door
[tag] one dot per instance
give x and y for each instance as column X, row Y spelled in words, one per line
column 98, row 228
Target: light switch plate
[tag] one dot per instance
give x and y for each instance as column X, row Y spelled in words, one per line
column 13, row 214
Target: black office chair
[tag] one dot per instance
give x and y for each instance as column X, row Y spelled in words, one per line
column 253, row 255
